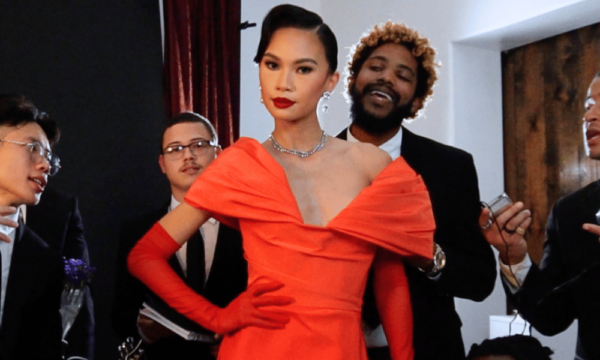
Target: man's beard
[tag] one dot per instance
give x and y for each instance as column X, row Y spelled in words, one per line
column 372, row 124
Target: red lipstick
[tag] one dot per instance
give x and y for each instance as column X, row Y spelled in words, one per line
column 283, row 103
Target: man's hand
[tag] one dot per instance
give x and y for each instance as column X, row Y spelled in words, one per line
column 151, row 330
column 509, row 226
column 593, row 228
column 7, row 210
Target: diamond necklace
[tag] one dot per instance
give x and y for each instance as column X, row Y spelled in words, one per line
column 302, row 154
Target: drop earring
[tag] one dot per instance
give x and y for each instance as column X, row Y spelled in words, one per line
column 326, row 96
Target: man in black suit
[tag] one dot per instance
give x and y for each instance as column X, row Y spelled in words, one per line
column 31, row 272
column 564, row 287
column 390, row 77
column 212, row 263
column 56, row 219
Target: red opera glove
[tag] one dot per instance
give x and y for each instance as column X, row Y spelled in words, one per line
column 148, row 261
column 245, row 310
column 393, row 303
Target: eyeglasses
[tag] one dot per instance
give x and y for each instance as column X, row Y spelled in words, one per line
column 39, row 153
column 197, row 148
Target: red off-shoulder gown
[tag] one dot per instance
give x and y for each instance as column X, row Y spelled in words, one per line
column 324, row 268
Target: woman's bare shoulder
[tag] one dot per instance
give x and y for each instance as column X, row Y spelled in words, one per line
column 364, row 155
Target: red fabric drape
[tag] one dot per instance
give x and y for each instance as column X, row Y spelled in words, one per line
column 202, row 62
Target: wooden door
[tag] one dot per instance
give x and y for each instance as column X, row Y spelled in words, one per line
column 544, row 89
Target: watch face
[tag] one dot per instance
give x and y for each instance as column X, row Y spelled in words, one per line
column 440, row 260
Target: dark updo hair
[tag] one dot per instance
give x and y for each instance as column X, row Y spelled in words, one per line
column 290, row 16
column 17, row 110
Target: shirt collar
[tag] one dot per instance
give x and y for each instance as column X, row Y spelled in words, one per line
column 175, row 203
column 392, row 146
column 7, row 229
column 23, row 209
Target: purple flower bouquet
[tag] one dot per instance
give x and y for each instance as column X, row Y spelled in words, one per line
column 78, row 275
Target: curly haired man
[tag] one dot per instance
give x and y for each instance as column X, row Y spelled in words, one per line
column 390, row 76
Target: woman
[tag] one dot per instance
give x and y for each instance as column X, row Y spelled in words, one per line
column 312, row 210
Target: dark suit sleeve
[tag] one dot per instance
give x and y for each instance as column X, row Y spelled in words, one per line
column 470, row 270
column 129, row 293
column 542, row 300
column 81, row 335
column 41, row 339
column 75, row 245
column 50, row 323
column 564, row 287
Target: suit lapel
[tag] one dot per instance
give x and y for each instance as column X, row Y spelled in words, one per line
column 49, row 222
column 49, row 217
column 34, row 221
column 343, row 135
column 192, row 279
column 407, row 148
column 224, row 251
column 20, row 278
column 174, row 262
column 195, row 264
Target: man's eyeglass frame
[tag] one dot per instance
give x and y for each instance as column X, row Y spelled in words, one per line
column 52, row 159
column 176, row 152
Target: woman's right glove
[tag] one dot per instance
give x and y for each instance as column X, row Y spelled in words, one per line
column 148, row 261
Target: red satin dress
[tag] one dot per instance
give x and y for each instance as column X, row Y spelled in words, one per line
column 324, row 268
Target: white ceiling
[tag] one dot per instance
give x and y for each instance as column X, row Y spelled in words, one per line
column 574, row 15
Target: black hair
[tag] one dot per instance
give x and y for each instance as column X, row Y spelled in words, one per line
column 290, row 16
column 17, row 110
column 189, row 117
column 520, row 347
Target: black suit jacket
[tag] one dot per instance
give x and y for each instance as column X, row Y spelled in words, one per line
column 470, row 271
column 56, row 219
column 565, row 285
column 227, row 279
column 31, row 325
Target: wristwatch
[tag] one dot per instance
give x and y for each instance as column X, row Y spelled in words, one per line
column 439, row 262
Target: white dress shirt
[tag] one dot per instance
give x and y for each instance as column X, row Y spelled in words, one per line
column 209, row 231
column 519, row 270
column 23, row 209
column 7, row 250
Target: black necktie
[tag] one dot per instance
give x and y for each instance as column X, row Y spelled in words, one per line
column 196, row 272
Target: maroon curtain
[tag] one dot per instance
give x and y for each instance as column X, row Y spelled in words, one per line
column 202, row 62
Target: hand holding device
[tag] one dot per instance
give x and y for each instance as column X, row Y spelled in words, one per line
column 503, row 224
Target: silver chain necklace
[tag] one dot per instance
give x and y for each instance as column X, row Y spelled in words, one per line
column 302, row 154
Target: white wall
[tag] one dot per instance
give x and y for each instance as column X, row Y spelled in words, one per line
column 466, row 110
column 255, row 120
